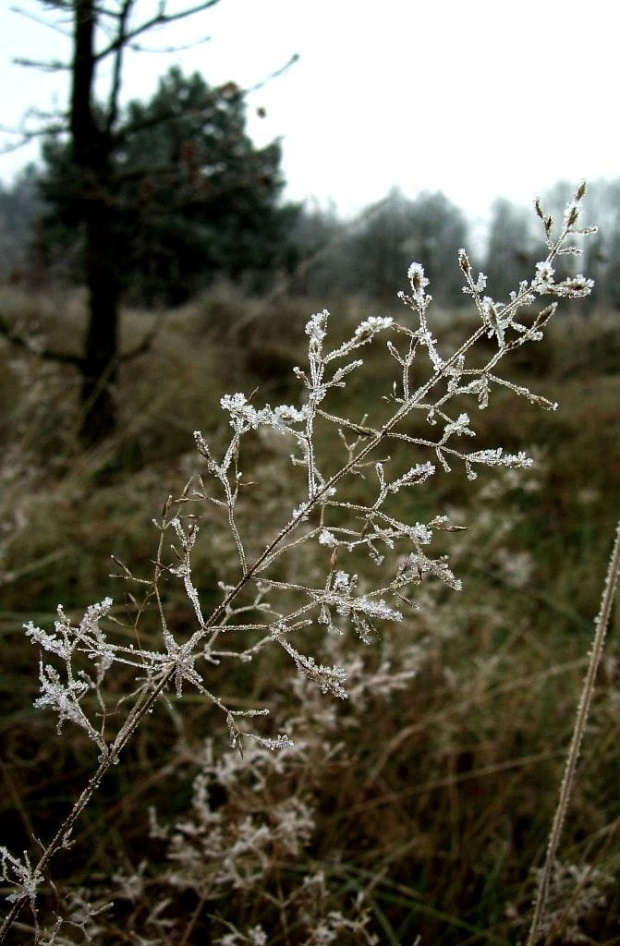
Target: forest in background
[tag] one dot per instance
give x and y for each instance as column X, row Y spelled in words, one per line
column 198, row 204
column 313, row 251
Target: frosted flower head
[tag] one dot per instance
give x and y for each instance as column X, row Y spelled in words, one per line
column 418, row 280
column 571, row 214
column 372, row 325
column 316, row 327
column 543, row 279
column 576, row 287
column 342, row 581
column 492, row 320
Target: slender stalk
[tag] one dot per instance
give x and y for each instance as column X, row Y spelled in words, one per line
column 566, row 788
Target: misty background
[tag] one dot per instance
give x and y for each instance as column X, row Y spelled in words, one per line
column 381, row 119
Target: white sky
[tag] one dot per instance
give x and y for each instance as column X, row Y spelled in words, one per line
column 478, row 98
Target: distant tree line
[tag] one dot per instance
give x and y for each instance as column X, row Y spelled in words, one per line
column 372, row 254
column 197, row 202
column 21, row 213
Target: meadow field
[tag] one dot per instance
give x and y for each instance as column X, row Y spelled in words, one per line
column 418, row 807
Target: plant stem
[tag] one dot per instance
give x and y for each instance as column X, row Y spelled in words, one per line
column 587, row 692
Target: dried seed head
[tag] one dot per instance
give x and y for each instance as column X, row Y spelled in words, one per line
column 417, row 278
column 464, row 262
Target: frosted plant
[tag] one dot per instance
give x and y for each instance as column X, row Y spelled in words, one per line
column 576, row 893
column 320, row 925
column 344, row 555
column 212, row 850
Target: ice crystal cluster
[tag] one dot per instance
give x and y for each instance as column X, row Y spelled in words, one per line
column 346, row 556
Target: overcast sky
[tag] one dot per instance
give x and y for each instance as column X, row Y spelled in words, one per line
column 477, row 98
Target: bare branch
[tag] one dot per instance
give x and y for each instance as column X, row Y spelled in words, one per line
column 26, row 136
column 274, row 75
column 160, row 19
column 167, row 50
column 26, row 343
column 117, row 70
column 41, row 22
column 23, row 341
column 143, row 347
column 54, row 65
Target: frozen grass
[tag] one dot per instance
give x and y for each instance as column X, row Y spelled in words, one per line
column 419, row 804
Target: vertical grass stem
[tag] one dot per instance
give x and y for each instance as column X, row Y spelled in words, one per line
column 568, row 781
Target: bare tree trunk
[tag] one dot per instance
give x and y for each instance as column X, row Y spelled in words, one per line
column 92, row 150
